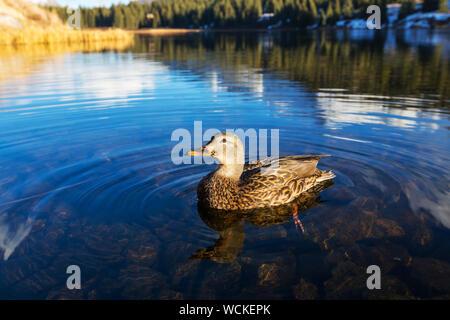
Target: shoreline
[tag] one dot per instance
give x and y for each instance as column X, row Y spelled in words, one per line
column 175, row 31
column 162, row 31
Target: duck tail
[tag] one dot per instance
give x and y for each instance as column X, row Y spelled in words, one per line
column 326, row 175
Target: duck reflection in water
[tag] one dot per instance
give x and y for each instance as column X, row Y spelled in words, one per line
column 230, row 224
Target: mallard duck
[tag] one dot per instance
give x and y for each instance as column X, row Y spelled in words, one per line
column 236, row 185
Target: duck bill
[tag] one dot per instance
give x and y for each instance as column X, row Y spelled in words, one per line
column 196, row 152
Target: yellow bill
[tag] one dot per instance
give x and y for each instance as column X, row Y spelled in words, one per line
column 196, row 152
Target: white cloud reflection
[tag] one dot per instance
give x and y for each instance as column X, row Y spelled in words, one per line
column 10, row 239
column 246, row 80
column 340, row 110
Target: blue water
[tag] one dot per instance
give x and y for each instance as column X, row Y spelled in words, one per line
column 87, row 178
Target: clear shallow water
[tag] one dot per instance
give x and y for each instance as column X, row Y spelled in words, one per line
column 86, row 175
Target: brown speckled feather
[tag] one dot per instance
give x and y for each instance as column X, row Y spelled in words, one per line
column 263, row 184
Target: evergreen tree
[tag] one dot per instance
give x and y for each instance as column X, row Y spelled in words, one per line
column 252, row 11
column 313, row 9
column 323, row 18
column 330, row 13
column 90, row 19
column 168, row 14
column 128, row 17
column 233, row 13
column 337, row 9
column 118, row 18
column 230, row 14
column 156, row 22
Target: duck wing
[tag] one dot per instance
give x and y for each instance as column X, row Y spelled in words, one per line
column 301, row 165
column 273, row 183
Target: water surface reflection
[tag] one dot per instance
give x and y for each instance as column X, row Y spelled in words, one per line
column 86, row 176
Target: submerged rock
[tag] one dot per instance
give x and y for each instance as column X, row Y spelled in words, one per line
column 305, row 290
column 141, row 282
column 186, row 270
column 277, row 273
column 385, row 228
column 386, row 255
column 268, row 274
column 392, row 288
column 222, row 275
column 431, row 276
column 348, row 281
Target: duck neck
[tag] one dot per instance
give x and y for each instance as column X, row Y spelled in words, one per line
column 230, row 171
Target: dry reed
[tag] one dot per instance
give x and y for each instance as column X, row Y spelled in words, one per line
column 54, row 35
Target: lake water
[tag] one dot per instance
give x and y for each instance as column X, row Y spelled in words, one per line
column 86, row 176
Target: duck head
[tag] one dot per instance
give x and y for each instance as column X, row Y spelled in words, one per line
column 228, row 149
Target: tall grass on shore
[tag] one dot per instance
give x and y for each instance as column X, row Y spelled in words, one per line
column 60, row 35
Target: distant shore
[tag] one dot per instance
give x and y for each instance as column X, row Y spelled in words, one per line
column 162, row 31
column 175, row 31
